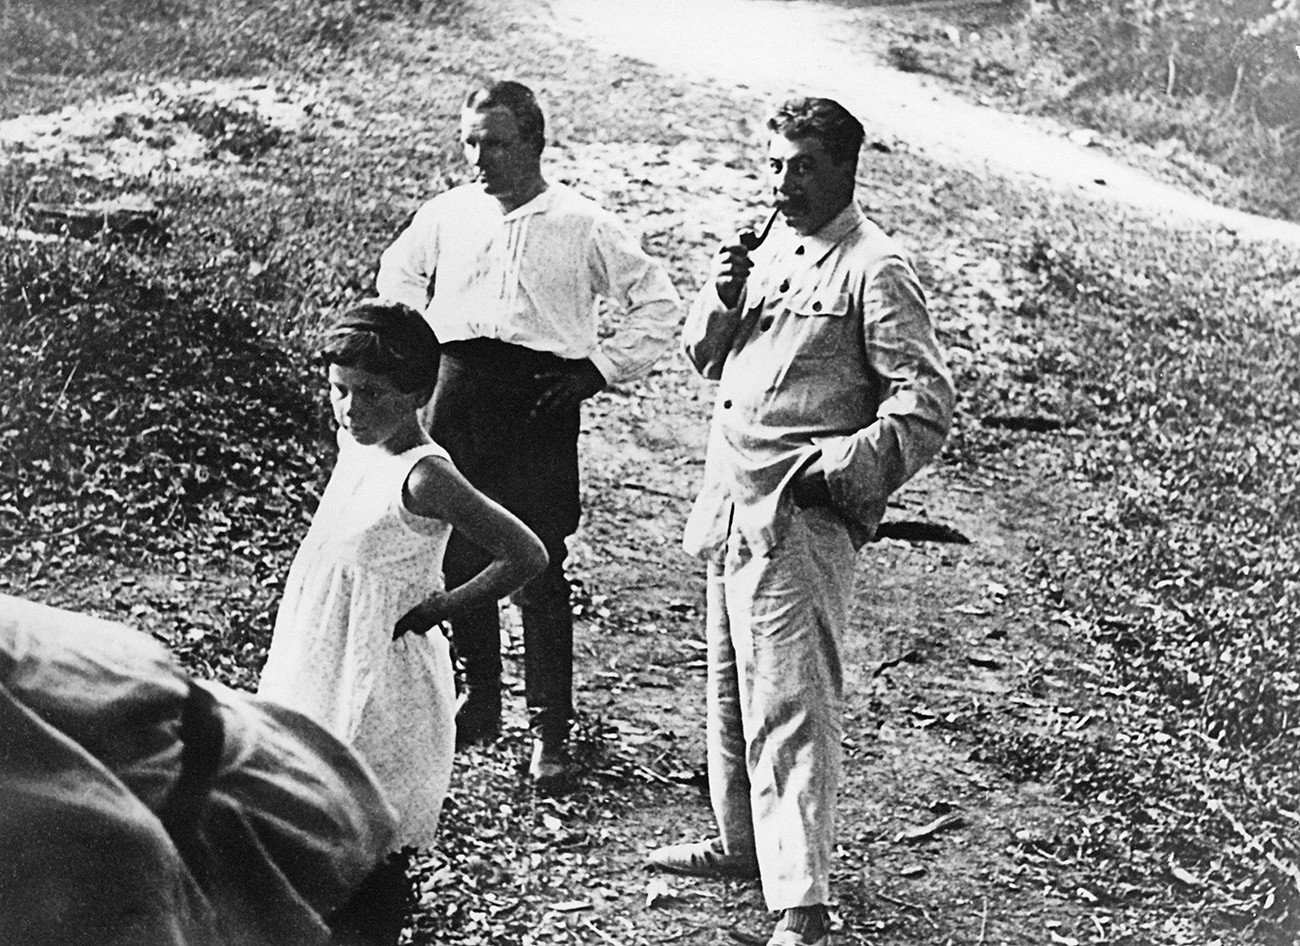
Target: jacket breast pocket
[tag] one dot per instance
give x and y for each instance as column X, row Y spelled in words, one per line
column 821, row 317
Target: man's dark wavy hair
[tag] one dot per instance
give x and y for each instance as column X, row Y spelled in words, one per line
column 824, row 119
column 386, row 338
column 519, row 101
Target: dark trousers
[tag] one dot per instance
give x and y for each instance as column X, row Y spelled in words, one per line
column 480, row 414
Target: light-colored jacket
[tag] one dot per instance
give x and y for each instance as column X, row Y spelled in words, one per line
column 830, row 350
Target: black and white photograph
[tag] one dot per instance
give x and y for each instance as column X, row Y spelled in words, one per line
column 650, row 472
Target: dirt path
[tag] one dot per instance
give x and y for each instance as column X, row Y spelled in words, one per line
column 774, row 46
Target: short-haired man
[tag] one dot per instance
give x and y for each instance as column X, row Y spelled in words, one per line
column 832, row 392
column 509, row 270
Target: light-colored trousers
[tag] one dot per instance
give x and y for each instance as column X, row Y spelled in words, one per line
column 775, row 686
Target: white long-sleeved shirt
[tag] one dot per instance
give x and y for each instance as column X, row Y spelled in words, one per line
column 830, row 351
column 533, row 277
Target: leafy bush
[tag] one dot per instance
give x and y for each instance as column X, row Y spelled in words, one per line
column 1240, row 50
column 1212, row 85
column 1231, row 66
column 135, row 399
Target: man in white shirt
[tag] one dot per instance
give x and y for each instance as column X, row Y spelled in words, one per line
column 509, row 270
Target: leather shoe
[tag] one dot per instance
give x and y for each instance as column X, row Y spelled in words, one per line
column 704, row 859
column 551, row 770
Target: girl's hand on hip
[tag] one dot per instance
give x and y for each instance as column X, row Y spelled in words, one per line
column 426, row 615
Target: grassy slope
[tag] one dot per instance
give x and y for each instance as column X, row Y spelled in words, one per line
column 1169, row 356
column 1058, row 60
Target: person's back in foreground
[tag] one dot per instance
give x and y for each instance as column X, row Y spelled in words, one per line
column 140, row 808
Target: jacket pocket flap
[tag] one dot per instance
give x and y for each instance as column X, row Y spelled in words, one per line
column 833, row 303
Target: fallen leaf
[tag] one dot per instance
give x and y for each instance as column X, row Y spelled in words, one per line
column 1184, row 876
column 910, row 656
column 925, row 832
column 571, row 906
column 656, row 890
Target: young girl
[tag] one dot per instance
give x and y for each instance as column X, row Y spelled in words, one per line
column 352, row 647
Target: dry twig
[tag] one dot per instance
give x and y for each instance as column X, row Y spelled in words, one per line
column 914, row 907
column 601, row 933
column 1290, row 870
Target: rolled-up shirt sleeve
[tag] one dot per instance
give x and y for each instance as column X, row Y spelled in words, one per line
column 917, row 397
column 408, row 264
column 650, row 304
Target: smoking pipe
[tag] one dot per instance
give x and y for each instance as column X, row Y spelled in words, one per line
column 751, row 240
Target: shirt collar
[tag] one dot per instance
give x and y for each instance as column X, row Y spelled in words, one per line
column 539, row 204
column 835, row 230
column 819, row 244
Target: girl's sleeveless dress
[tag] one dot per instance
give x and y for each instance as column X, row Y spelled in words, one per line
column 365, row 562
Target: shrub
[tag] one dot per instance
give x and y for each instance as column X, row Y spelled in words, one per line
column 135, row 399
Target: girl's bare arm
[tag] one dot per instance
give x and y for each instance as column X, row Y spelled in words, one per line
column 436, row 489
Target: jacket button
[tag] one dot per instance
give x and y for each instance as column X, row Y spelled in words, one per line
column 766, row 323
column 798, row 250
column 727, row 404
column 817, row 306
column 785, row 285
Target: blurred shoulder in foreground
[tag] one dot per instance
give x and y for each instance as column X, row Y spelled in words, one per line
column 145, row 808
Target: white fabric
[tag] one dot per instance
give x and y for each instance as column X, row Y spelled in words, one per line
column 831, row 353
column 365, row 562
column 533, row 277
column 774, row 695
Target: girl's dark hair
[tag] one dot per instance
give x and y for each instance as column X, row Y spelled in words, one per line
column 386, row 338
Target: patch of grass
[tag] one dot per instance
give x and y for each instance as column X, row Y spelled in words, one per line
column 1214, row 149
column 1186, row 568
column 1170, row 357
column 49, row 44
column 137, row 399
column 1216, row 92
